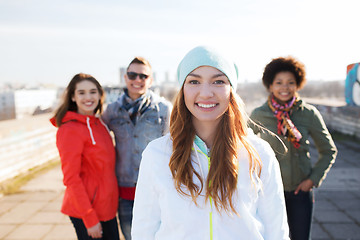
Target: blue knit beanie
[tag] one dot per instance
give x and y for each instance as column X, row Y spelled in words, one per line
column 206, row 56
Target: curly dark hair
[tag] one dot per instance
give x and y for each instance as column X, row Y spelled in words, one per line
column 284, row 64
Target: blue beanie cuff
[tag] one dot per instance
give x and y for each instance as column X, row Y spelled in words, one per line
column 206, row 56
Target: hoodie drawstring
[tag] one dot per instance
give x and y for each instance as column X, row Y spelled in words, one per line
column 90, row 131
column 104, row 125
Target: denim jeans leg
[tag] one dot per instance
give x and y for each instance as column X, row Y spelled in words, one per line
column 299, row 211
column 125, row 216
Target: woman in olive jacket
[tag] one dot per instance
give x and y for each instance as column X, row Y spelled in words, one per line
column 294, row 121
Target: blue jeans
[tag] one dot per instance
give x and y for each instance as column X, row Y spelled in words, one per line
column 299, row 212
column 125, row 216
column 109, row 228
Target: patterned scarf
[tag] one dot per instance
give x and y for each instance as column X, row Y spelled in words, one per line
column 136, row 107
column 284, row 124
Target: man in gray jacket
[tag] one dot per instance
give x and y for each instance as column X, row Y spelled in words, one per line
column 136, row 118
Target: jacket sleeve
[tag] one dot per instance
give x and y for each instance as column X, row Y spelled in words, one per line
column 70, row 146
column 271, row 205
column 256, row 123
column 146, row 212
column 325, row 146
column 253, row 122
column 106, row 116
column 166, row 107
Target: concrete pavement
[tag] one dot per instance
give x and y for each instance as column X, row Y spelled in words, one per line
column 34, row 213
column 337, row 201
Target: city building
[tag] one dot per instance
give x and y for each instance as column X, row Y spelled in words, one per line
column 17, row 104
column 7, row 105
column 122, row 79
column 30, row 102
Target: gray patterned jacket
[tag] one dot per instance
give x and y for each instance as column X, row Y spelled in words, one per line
column 130, row 139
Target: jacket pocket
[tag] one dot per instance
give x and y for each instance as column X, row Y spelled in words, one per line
column 152, row 127
column 120, row 127
column 304, row 163
column 94, row 196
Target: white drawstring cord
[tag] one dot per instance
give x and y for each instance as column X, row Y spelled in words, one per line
column 91, row 134
column 104, row 125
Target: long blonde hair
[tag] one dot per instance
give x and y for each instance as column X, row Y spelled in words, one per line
column 231, row 135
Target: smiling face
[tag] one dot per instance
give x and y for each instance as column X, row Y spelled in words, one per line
column 283, row 87
column 206, row 95
column 87, row 97
column 138, row 86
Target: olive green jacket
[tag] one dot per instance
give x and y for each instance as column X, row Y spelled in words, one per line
column 295, row 165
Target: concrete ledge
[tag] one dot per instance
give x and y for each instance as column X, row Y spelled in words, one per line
column 26, row 144
column 343, row 119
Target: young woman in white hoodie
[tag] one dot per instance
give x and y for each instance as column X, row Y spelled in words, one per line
column 210, row 177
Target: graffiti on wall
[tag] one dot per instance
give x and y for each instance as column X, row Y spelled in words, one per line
column 352, row 85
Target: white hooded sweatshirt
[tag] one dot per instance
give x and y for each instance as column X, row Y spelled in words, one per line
column 161, row 213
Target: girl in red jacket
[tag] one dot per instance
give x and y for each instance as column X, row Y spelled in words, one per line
column 87, row 160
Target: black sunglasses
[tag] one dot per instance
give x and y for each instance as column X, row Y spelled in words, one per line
column 133, row 75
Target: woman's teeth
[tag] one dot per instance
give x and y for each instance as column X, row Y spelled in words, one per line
column 206, row 105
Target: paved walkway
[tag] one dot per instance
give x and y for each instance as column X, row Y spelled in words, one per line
column 337, row 201
column 35, row 212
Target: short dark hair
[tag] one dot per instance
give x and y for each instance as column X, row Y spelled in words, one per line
column 284, row 64
column 140, row 60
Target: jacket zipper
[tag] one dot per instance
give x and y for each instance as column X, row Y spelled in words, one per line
column 210, row 198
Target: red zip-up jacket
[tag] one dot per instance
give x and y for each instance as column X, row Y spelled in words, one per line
column 88, row 163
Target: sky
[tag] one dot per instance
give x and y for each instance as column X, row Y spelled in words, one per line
column 49, row 42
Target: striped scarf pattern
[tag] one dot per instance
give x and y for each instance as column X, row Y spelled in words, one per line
column 136, row 107
column 285, row 126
